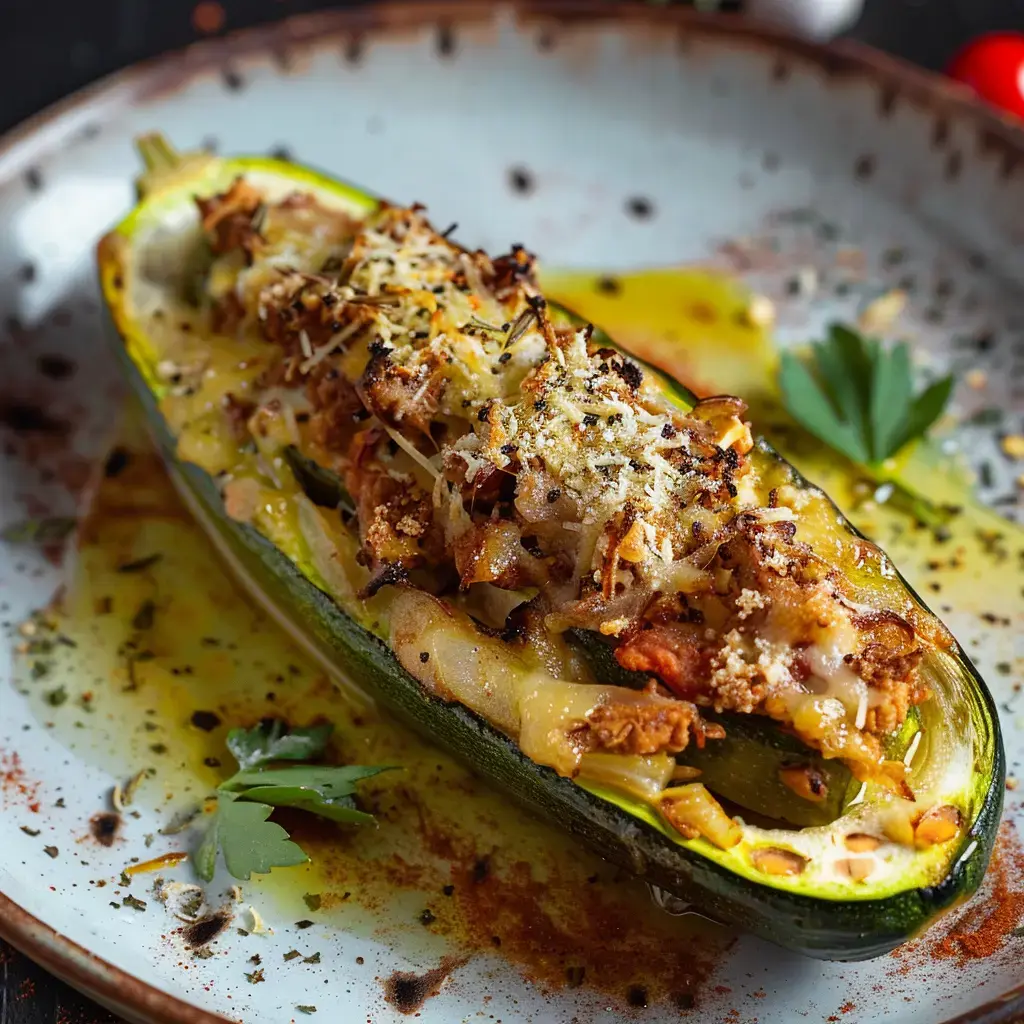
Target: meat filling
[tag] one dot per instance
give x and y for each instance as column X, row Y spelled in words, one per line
column 485, row 443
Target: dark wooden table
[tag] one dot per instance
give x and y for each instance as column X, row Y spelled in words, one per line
column 28, row 995
column 48, row 48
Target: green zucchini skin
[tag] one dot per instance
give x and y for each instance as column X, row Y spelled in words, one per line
column 846, row 930
column 320, row 485
column 828, row 930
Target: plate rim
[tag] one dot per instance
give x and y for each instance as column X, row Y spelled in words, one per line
column 37, row 135
column 92, row 975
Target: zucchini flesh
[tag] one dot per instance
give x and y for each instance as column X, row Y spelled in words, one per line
column 833, row 921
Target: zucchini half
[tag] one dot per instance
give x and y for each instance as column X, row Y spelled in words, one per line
column 958, row 746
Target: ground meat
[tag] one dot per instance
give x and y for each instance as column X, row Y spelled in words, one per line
column 489, row 485
column 395, row 516
column 226, row 314
column 301, row 312
column 238, row 411
column 674, row 653
column 337, row 408
column 653, row 728
column 492, row 552
column 510, row 272
column 403, row 397
column 776, row 588
column 895, row 679
column 231, row 220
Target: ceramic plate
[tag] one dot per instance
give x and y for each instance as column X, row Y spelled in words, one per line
column 609, row 140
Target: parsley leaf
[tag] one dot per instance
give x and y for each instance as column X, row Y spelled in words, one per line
column 239, row 827
column 205, row 857
column 260, row 745
column 343, row 810
column 858, row 397
column 328, row 780
column 251, row 844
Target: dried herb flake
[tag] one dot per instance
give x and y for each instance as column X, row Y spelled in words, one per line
column 140, row 563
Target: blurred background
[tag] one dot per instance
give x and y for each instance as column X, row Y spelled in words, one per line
column 49, row 48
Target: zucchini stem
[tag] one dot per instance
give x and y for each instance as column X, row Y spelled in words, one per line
column 163, row 164
column 157, row 153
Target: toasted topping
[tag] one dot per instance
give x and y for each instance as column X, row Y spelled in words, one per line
column 664, row 727
column 488, row 448
column 233, row 220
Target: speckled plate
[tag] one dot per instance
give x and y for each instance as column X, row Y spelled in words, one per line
column 605, row 138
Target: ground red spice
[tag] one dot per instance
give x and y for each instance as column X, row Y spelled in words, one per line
column 14, row 783
column 985, row 925
column 984, row 929
column 559, row 933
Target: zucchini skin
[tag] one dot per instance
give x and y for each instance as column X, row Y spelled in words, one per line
column 846, row 930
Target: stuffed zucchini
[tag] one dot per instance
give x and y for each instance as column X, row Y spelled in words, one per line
column 605, row 595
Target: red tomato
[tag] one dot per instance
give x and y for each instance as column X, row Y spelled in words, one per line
column 993, row 66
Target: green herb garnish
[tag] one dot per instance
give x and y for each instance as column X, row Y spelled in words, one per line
column 239, row 827
column 858, row 396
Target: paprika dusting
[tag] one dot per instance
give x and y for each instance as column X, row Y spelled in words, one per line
column 15, row 783
column 985, row 926
column 984, row 929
